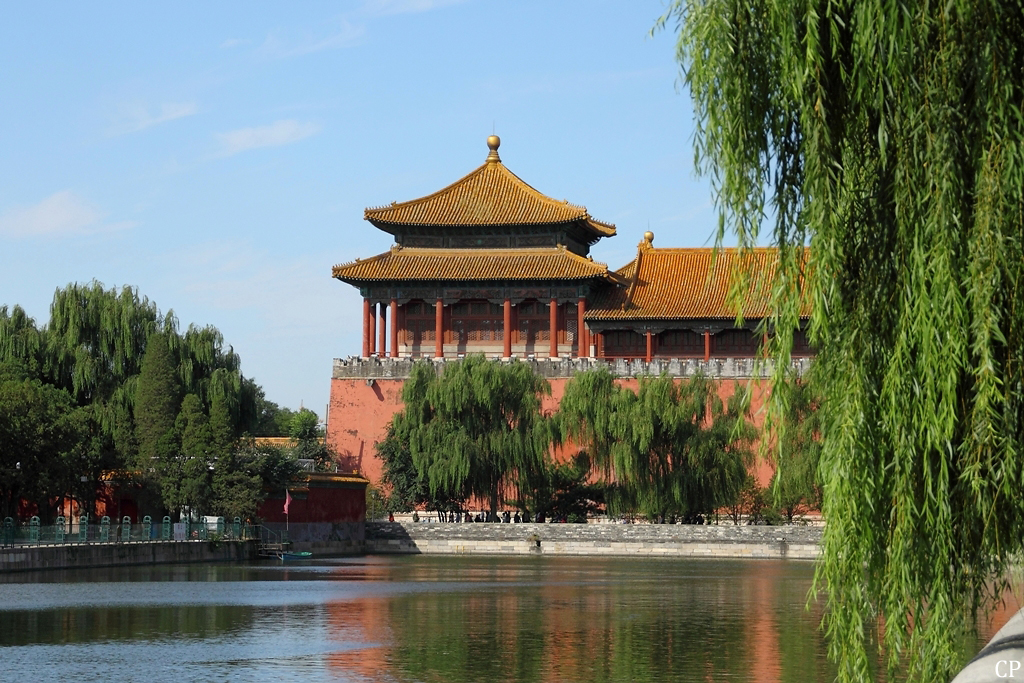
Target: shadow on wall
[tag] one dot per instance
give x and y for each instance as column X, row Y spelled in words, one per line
column 352, row 463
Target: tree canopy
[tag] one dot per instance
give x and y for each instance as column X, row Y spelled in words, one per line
column 476, row 428
column 100, row 387
column 889, row 138
column 670, row 447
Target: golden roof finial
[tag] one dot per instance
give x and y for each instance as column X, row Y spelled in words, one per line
column 493, row 142
column 649, row 237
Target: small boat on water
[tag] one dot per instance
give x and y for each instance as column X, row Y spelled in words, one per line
column 285, row 557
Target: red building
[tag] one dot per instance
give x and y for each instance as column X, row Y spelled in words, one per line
column 325, row 507
column 490, row 265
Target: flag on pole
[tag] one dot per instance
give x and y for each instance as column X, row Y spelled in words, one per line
column 287, row 500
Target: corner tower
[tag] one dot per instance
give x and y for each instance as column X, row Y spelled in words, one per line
column 485, row 265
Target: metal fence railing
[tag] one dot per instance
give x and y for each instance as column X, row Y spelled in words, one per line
column 84, row 530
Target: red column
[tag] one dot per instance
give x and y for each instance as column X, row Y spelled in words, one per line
column 649, row 349
column 366, row 328
column 507, row 330
column 582, row 343
column 394, row 328
column 439, row 329
column 372, row 328
column 599, row 344
column 707, row 345
column 553, row 320
column 382, row 332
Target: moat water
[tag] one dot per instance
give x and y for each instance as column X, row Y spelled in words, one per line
column 416, row 618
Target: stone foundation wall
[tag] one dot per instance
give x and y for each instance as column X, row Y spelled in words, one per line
column 632, row 540
column 321, row 532
column 73, row 556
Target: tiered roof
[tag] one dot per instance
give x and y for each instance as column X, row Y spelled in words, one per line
column 491, row 195
column 424, row 264
column 674, row 284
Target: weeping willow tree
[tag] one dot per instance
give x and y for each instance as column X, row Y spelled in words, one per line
column 94, row 343
column 475, row 429
column 887, row 136
column 795, row 484
column 669, row 447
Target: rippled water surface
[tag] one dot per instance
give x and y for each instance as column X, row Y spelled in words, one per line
column 417, row 619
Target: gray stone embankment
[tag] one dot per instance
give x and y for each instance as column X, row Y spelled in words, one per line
column 633, row 540
column 79, row 556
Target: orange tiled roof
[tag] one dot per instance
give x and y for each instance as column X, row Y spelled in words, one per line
column 422, row 264
column 490, row 195
column 682, row 283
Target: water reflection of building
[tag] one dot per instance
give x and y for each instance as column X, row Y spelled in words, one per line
column 579, row 619
column 490, row 265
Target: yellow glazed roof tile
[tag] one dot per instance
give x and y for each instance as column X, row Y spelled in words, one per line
column 489, row 196
column 686, row 283
column 422, row 264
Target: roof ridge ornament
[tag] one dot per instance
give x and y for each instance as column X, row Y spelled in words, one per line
column 493, row 142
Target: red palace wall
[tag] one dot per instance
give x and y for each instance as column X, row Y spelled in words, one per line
column 358, row 417
column 360, row 409
column 322, row 498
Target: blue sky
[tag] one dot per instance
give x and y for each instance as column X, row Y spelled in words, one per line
column 218, row 156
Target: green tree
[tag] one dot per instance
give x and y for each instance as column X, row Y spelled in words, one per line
column 562, row 490
column 271, row 419
column 310, row 444
column 93, row 346
column 156, row 410
column 21, row 342
column 476, row 428
column 125, row 368
column 42, row 434
column 795, row 482
column 668, row 448
column 406, row 486
column 888, row 137
column 185, row 476
column 222, row 437
column 242, row 481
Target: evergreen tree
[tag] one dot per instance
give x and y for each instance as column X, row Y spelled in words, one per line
column 157, row 398
column 221, row 437
column 186, row 476
column 889, row 138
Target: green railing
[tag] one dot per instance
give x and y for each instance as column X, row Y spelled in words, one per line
column 105, row 530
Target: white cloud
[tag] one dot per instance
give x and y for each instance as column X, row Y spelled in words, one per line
column 139, row 117
column 276, row 134
column 60, row 214
column 348, row 35
column 392, row 7
column 232, row 42
column 350, row 32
